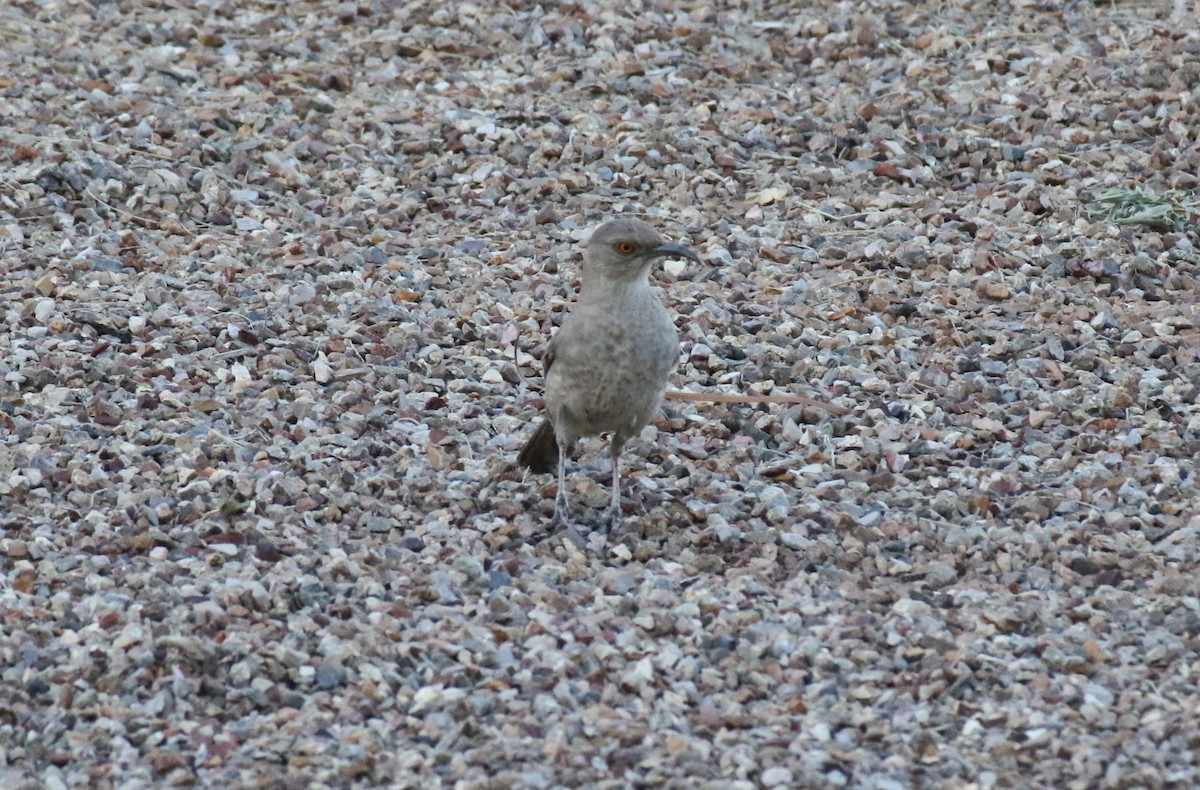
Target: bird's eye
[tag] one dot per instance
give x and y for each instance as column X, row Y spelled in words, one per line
column 625, row 247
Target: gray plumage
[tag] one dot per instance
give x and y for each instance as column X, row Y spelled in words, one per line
column 607, row 367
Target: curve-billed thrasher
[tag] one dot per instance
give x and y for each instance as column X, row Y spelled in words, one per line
column 606, row 368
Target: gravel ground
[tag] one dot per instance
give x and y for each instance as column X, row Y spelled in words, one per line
column 274, row 280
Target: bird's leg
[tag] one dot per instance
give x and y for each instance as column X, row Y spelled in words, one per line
column 562, row 508
column 614, row 508
column 561, row 522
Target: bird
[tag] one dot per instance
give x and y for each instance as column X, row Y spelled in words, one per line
column 606, row 369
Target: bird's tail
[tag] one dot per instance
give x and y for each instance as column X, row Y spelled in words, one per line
column 540, row 453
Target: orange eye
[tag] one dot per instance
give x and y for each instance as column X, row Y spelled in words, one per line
column 625, row 247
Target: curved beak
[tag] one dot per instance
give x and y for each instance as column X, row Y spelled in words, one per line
column 668, row 249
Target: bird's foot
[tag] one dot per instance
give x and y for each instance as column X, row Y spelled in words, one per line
column 561, row 522
column 613, row 520
column 562, row 513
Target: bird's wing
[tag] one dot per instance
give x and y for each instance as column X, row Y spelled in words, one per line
column 548, row 356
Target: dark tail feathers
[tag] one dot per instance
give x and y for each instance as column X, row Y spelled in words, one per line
column 540, row 453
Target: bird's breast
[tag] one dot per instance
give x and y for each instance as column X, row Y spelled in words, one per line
column 611, row 364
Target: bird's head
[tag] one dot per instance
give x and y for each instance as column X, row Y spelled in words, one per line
column 625, row 249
